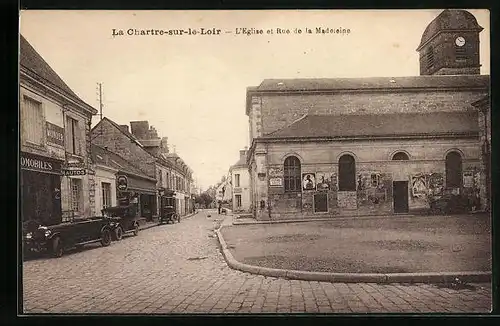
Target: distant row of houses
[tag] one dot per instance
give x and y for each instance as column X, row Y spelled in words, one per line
column 68, row 169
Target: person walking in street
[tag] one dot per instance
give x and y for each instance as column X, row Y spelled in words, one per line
column 220, row 207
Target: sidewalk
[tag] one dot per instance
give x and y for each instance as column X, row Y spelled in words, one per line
column 239, row 244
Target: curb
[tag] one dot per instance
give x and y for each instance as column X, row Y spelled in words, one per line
column 440, row 277
column 336, row 218
column 152, row 225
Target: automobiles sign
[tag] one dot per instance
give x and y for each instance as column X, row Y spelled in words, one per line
column 122, row 182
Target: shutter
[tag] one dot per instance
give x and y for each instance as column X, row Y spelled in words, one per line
column 78, row 137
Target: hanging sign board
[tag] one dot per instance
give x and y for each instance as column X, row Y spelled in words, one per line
column 122, row 183
column 74, row 172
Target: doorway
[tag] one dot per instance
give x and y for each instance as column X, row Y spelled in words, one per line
column 400, row 195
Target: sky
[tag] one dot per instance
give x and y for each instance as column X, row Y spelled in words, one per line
column 192, row 88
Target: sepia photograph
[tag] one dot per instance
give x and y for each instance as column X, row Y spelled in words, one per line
column 218, row 162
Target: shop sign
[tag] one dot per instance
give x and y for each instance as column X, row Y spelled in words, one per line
column 74, row 172
column 237, row 190
column 55, row 134
column 75, row 164
column 276, row 182
column 122, row 182
column 39, row 163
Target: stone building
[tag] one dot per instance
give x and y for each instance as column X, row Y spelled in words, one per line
column 56, row 176
column 364, row 146
column 110, row 168
column 172, row 173
column 240, row 182
column 117, row 139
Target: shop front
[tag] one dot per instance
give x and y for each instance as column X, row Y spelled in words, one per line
column 140, row 190
column 40, row 185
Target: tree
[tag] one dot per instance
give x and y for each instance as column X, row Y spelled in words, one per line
column 204, row 199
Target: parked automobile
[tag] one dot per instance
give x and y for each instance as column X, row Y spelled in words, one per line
column 169, row 215
column 448, row 203
column 122, row 220
column 56, row 239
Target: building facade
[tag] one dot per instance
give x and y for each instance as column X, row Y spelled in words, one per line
column 56, row 175
column 116, row 139
column 172, row 174
column 364, row 146
column 240, row 182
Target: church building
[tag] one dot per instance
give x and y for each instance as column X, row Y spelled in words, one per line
column 372, row 146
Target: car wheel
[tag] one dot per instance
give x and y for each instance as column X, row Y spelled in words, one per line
column 105, row 238
column 136, row 229
column 57, row 248
column 119, row 233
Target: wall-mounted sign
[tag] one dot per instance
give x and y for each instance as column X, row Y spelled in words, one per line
column 39, row 163
column 74, row 172
column 276, row 182
column 75, row 164
column 122, row 182
column 275, row 171
column 237, row 190
column 308, row 181
column 55, row 134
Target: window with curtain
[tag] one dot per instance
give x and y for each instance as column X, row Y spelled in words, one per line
column 347, row 173
column 291, row 174
column 106, row 194
column 76, row 195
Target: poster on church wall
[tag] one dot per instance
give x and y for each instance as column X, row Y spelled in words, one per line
column 323, row 183
column 308, row 181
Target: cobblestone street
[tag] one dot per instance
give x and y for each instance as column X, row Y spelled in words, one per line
column 179, row 269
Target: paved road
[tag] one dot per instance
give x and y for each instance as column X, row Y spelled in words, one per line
column 179, row 269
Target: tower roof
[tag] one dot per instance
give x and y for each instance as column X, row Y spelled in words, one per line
column 449, row 20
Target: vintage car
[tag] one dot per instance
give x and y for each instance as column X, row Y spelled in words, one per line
column 168, row 215
column 448, row 203
column 56, row 239
column 122, row 220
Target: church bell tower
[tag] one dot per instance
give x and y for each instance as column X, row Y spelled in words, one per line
column 450, row 45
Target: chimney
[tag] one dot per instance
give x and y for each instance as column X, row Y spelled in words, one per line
column 164, row 145
column 243, row 153
column 139, row 129
column 124, row 128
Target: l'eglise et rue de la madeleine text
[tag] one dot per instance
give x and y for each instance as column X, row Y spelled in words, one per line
column 236, row 31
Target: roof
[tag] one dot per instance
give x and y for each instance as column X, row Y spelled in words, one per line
column 31, row 60
column 105, row 157
column 117, row 126
column 242, row 162
column 314, row 126
column 375, row 83
column 450, row 19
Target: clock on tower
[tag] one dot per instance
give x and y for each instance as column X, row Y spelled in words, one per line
column 450, row 45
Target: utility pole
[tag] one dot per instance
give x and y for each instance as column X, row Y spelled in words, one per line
column 100, row 100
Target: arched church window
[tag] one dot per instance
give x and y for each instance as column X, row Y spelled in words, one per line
column 347, row 173
column 400, row 156
column 453, row 170
column 291, row 174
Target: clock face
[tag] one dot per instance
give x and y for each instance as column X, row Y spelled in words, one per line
column 460, row 41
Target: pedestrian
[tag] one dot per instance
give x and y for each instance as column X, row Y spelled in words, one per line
column 220, row 206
